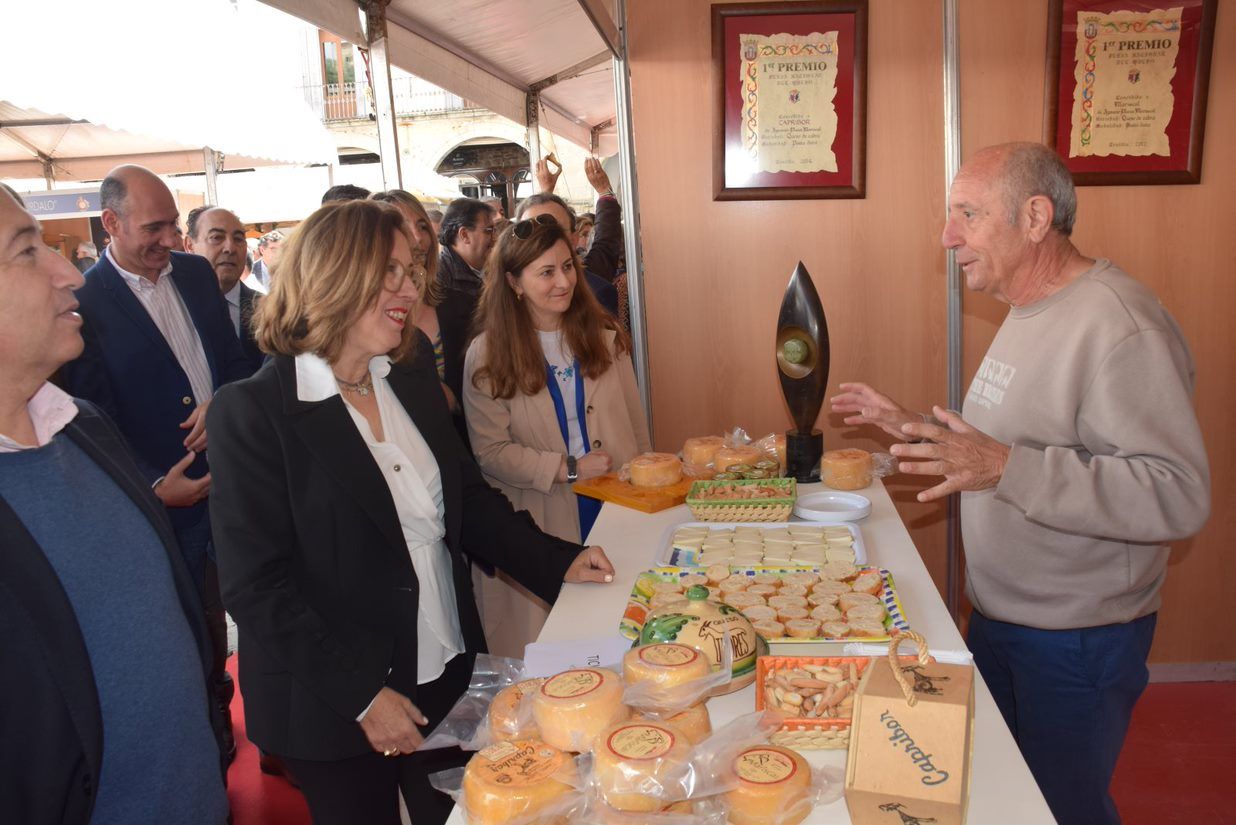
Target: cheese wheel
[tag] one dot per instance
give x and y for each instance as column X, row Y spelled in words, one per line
column 727, row 457
column 655, row 470
column 694, row 722
column 846, row 469
column 666, row 665
column 571, row 708
column 505, row 719
column 514, row 781
column 701, row 450
column 638, row 765
column 773, row 787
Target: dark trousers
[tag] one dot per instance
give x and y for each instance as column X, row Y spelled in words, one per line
column 1067, row 696
column 364, row 788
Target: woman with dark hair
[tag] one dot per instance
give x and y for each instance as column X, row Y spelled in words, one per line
column 342, row 504
column 549, row 397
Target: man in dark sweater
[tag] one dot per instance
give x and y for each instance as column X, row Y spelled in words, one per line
column 104, row 712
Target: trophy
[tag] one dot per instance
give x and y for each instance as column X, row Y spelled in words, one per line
column 802, row 366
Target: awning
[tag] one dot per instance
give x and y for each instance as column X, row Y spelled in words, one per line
column 177, row 83
column 493, row 52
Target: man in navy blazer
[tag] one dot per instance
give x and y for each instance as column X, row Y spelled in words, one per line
column 104, row 710
column 158, row 343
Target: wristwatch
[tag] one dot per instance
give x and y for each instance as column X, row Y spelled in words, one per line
column 572, row 470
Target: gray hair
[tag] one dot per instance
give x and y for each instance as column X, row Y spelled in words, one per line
column 542, row 198
column 113, row 193
column 1032, row 169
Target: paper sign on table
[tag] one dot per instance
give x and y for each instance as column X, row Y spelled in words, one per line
column 548, row 658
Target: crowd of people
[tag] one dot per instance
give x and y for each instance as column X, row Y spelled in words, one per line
column 395, row 404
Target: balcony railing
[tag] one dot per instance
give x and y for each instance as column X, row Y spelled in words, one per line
column 350, row 101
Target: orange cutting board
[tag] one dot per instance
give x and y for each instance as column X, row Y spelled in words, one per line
column 645, row 499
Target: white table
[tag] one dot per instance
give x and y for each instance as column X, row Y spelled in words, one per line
column 1002, row 791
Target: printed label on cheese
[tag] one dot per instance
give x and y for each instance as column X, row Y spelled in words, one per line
column 495, row 753
column 641, row 741
column 764, row 766
column 520, row 763
column 669, row 655
column 572, row 683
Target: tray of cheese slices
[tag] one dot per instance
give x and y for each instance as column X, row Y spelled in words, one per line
column 836, row 601
column 702, row 544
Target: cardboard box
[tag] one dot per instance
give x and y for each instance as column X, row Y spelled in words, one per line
column 911, row 763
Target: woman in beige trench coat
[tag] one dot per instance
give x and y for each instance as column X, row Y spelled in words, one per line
column 550, row 398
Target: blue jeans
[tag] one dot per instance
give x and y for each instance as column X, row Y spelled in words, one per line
column 1067, row 696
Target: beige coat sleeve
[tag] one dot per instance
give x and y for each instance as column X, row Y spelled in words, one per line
column 489, row 428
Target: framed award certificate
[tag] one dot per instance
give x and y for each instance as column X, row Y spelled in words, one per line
column 1126, row 88
column 791, row 113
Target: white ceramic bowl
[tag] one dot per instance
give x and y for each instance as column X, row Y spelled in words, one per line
column 832, row 506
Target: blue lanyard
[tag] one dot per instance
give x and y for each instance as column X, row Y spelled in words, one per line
column 560, row 404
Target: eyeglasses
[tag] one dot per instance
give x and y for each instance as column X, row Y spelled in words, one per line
column 523, row 229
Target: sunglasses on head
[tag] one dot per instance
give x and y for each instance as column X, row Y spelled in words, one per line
column 523, row 229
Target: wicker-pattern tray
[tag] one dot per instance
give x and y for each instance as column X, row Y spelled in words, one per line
column 764, row 509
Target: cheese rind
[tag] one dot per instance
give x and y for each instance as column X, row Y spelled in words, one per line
column 506, row 720
column 848, row 469
column 727, row 457
column 773, row 787
column 571, row 708
column 655, row 470
column 637, row 765
column 700, row 450
column 514, row 781
column 666, row 665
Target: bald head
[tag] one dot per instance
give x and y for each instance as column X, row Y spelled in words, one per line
column 140, row 215
column 1025, row 170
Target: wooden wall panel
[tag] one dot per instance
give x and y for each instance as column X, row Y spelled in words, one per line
column 715, row 272
column 1179, row 240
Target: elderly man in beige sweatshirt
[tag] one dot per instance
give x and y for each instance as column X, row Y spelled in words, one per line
column 1078, row 457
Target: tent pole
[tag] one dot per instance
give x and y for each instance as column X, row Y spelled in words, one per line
column 383, row 93
column 952, row 162
column 532, row 116
column 210, row 162
column 629, row 194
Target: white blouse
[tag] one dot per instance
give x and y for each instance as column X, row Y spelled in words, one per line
column 412, row 474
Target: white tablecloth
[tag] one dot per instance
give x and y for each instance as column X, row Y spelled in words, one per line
column 1002, row 791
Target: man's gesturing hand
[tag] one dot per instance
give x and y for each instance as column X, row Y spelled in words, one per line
column 872, row 407
column 968, row 459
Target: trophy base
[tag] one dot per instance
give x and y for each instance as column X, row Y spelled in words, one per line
column 803, row 452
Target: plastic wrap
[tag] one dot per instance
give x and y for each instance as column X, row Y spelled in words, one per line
column 641, row 766
column 515, row 783
column 572, row 707
column 467, row 724
column 594, row 811
column 666, row 476
column 650, row 697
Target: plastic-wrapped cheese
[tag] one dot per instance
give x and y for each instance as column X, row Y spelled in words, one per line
column 637, row 765
column 773, row 785
column 779, row 445
column 700, row 451
column 846, row 469
column 694, row 722
column 727, row 457
column 655, row 470
column 514, row 781
column 507, row 719
column 667, row 665
column 574, row 706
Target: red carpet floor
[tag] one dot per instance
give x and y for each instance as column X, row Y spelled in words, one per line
column 1178, row 766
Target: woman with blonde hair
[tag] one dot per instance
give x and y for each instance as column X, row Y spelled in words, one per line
column 550, row 397
column 342, row 506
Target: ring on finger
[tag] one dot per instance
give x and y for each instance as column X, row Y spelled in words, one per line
column 391, row 752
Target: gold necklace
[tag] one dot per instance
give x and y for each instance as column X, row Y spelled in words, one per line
column 362, row 387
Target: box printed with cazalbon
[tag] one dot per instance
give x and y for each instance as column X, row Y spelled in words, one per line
column 910, row 743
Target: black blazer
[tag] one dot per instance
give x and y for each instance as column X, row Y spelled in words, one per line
column 248, row 303
column 49, row 706
column 312, row 562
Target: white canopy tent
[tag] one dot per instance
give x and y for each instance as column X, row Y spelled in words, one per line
column 73, row 106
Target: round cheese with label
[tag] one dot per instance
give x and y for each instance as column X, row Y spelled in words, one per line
column 637, row 765
column 571, row 708
column 848, row 469
column 514, row 781
column 667, row 665
column 694, row 722
column 700, row 451
column 508, row 717
column 773, row 787
column 655, row 470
